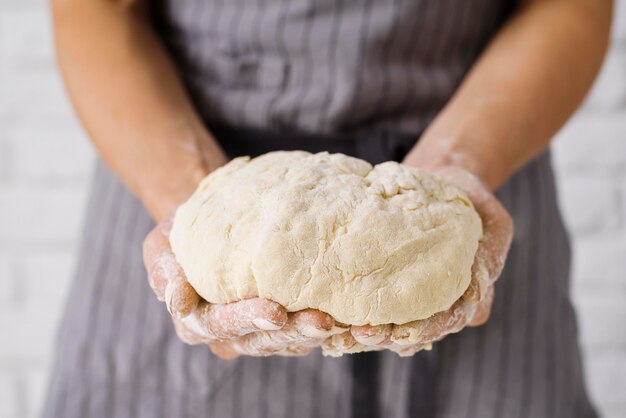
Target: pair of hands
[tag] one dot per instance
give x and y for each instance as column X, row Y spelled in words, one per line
column 260, row 327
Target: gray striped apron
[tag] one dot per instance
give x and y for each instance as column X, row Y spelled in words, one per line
column 118, row 355
column 344, row 76
column 325, row 65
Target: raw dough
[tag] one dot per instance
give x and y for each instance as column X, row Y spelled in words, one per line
column 368, row 245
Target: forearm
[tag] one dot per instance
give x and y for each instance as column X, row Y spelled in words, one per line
column 131, row 101
column 526, row 84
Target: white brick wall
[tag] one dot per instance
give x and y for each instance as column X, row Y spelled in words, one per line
column 44, row 167
column 45, row 161
column 590, row 161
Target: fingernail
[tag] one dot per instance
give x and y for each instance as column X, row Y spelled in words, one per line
column 265, row 325
column 313, row 331
column 168, row 296
column 407, row 335
column 193, row 323
column 371, row 339
column 339, row 328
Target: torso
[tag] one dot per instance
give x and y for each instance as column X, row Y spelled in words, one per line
column 325, row 65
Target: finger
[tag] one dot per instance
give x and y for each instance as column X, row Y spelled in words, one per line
column 444, row 323
column 186, row 334
column 497, row 235
column 372, row 335
column 240, row 318
column 345, row 343
column 313, row 323
column 152, row 251
column 295, row 351
column 408, row 334
column 234, row 348
column 409, row 350
column 497, row 223
column 431, row 329
column 165, row 275
column 180, row 298
column 223, row 350
column 482, row 309
column 479, row 282
column 304, row 329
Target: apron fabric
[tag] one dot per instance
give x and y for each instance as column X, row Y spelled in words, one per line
column 325, row 65
column 118, row 354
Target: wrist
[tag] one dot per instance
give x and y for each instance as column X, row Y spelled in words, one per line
column 171, row 186
column 162, row 196
column 432, row 152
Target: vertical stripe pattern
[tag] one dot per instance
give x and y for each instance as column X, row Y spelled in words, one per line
column 510, row 367
column 325, row 65
column 119, row 355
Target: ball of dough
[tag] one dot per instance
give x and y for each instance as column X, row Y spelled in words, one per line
column 367, row 245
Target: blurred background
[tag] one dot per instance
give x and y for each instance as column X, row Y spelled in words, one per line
column 45, row 163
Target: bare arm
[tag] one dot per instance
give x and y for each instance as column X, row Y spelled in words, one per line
column 131, row 101
column 529, row 80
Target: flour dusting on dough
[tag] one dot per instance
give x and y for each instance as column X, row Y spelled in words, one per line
column 367, row 245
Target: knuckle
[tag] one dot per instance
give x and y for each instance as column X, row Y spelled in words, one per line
column 180, row 300
column 184, row 334
column 157, row 287
column 223, row 350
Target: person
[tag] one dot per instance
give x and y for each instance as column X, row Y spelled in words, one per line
column 168, row 91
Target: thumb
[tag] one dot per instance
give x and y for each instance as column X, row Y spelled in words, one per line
column 482, row 309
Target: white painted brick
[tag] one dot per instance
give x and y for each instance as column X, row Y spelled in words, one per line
column 33, row 333
column 622, row 199
column 49, row 153
column 592, row 141
column 30, row 95
column 47, row 277
column 609, row 89
column 26, row 38
column 601, row 317
column 606, row 376
column 6, row 159
column 43, row 215
column 600, row 263
column 619, row 22
column 614, row 410
column 590, row 205
column 8, row 291
column 9, row 396
column 36, row 383
column 7, row 5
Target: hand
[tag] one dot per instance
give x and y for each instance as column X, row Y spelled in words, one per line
column 474, row 307
column 256, row 327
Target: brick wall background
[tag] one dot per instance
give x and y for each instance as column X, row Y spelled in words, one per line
column 45, row 162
